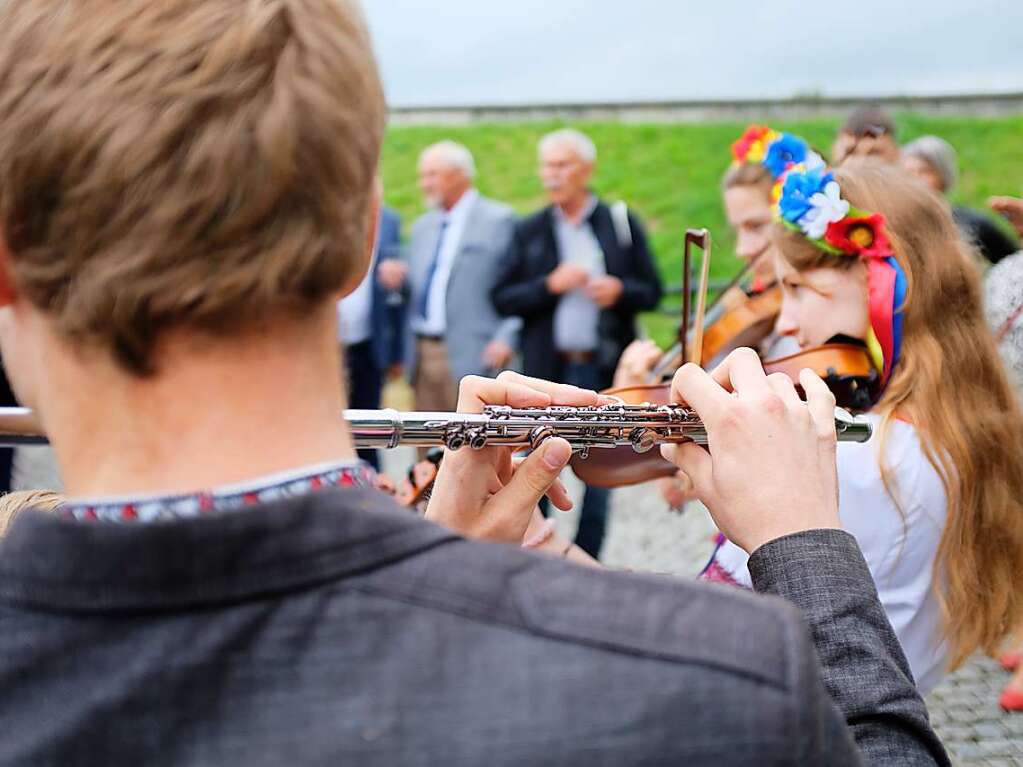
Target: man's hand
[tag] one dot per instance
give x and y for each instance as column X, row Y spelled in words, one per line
column 770, row 470
column 566, row 277
column 1011, row 208
column 605, row 291
column 497, row 355
column 391, row 273
column 483, row 493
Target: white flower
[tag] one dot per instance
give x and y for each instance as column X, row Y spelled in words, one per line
column 813, row 161
column 825, row 207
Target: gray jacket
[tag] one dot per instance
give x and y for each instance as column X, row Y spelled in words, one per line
column 336, row 628
column 472, row 322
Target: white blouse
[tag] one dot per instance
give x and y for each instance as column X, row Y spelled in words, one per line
column 899, row 543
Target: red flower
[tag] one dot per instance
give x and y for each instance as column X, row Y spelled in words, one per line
column 859, row 235
column 752, row 134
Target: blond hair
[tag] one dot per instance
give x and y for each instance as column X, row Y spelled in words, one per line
column 13, row 503
column 199, row 163
column 950, row 384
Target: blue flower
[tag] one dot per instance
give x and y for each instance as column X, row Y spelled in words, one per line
column 784, row 152
column 797, row 190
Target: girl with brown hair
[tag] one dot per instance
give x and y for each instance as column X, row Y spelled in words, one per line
column 759, row 158
column 935, row 499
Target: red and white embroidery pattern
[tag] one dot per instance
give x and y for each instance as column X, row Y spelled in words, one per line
column 208, row 502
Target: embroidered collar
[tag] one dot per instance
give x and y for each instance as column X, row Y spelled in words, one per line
column 223, row 499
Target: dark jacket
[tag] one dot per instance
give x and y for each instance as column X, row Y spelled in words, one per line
column 521, row 290
column 336, row 628
column 981, row 232
column 389, row 307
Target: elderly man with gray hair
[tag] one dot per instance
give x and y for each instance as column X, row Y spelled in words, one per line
column 577, row 273
column 933, row 160
column 447, row 271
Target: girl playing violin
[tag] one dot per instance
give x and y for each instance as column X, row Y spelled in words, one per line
column 759, row 157
column 935, row 499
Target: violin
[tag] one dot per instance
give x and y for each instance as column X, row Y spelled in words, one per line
column 845, row 368
column 734, row 319
column 745, row 324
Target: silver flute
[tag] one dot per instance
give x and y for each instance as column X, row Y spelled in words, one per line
column 585, row 428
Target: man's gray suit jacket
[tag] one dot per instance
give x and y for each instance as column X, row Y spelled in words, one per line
column 337, row 628
column 470, row 318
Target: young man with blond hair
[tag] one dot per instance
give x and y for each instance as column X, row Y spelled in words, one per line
column 185, row 192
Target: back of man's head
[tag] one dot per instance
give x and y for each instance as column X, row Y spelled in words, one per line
column 869, row 121
column 183, row 163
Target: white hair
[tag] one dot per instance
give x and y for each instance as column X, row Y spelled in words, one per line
column 454, row 155
column 580, row 143
column 939, row 154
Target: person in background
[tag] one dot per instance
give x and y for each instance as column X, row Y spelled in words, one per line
column 1003, row 308
column 577, row 273
column 371, row 327
column 759, row 157
column 868, row 132
column 933, row 160
column 448, row 271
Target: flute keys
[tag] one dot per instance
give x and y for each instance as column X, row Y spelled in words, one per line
column 454, row 437
column 539, row 434
column 477, row 439
column 642, row 439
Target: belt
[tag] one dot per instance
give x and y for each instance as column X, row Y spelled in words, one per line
column 577, row 358
column 426, row 337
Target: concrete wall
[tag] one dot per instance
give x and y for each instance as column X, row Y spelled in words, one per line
column 996, row 105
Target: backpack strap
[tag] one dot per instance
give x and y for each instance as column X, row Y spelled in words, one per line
column 620, row 219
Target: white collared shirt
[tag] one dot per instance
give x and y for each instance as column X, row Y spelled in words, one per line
column 355, row 311
column 435, row 323
column 576, row 316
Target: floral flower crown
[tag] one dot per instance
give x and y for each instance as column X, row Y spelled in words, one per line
column 811, row 203
column 778, row 152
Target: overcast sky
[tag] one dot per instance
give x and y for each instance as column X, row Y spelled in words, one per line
column 450, row 52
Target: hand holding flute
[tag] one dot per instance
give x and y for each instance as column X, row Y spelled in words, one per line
column 770, row 471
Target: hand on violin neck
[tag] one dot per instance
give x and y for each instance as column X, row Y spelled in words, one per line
column 636, row 363
column 770, row 468
column 488, row 494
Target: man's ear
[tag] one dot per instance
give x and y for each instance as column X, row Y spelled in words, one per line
column 8, row 290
